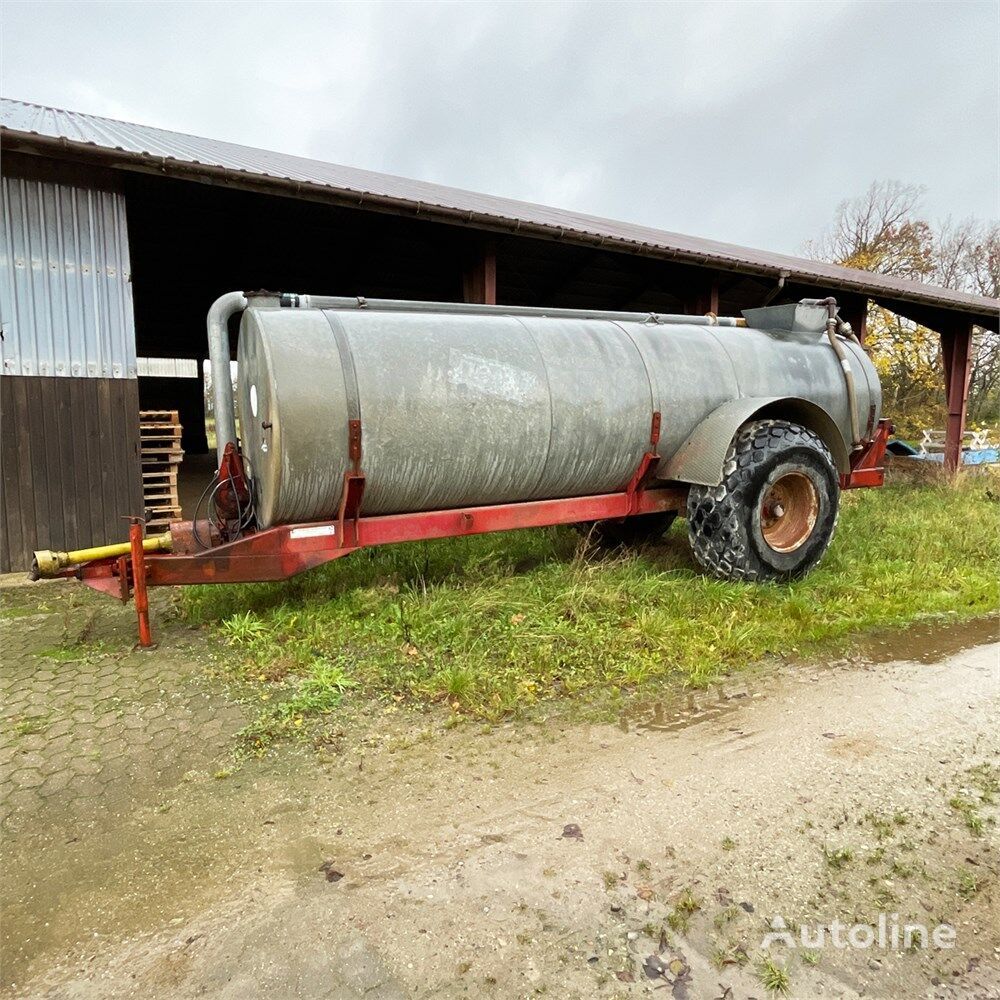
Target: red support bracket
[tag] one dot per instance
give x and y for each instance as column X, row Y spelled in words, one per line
column 354, row 443
column 233, row 495
column 867, row 464
column 135, row 533
column 124, row 587
column 109, row 576
column 350, row 509
column 641, row 476
column 354, row 490
column 654, row 429
column 647, row 466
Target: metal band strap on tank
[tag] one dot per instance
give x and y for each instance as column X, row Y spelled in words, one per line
column 654, row 387
column 354, row 478
column 352, row 396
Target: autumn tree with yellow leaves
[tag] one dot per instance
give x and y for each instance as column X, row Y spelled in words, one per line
column 883, row 231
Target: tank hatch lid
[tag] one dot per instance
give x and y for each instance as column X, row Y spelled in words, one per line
column 795, row 317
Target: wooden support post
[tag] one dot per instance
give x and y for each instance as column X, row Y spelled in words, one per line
column 704, row 300
column 479, row 282
column 861, row 330
column 856, row 313
column 956, row 351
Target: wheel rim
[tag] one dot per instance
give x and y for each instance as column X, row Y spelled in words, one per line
column 788, row 512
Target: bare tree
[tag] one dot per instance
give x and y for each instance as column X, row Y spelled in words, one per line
column 880, row 231
column 968, row 258
column 883, row 231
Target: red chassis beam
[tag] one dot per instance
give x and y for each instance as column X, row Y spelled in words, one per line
column 284, row 551
column 867, row 463
column 281, row 552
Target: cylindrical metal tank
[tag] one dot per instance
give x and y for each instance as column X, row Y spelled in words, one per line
column 461, row 409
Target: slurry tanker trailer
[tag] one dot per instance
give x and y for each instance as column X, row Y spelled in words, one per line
column 367, row 422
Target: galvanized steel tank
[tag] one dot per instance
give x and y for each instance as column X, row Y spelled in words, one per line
column 495, row 407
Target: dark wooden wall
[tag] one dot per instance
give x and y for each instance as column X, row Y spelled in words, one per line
column 69, row 450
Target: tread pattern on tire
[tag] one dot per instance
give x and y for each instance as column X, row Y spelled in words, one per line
column 717, row 514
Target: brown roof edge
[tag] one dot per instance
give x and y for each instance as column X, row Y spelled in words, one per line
column 601, row 233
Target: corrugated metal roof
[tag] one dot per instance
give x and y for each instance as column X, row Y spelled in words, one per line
column 140, row 143
column 65, row 283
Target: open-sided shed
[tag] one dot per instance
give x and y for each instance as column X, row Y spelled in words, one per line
column 117, row 237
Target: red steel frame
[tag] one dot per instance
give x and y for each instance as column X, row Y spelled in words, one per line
column 286, row 550
column 867, row 464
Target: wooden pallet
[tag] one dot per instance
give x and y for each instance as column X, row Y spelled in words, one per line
column 160, row 517
column 160, row 455
column 160, row 417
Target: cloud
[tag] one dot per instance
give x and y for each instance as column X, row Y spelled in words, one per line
column 741, row 122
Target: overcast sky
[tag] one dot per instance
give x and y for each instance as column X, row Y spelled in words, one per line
column 737, row 121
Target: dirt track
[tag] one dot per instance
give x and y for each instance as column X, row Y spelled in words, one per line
column 441, row 867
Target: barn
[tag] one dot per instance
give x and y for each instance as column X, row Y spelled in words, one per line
column 117, row 238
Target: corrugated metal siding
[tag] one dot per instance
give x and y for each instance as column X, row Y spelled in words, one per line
column 65, row 292
column 127, row 142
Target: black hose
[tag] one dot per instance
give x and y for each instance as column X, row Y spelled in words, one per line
column 197, row 511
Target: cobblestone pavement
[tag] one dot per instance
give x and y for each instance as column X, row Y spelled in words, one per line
column 88, row 722
column 139, row 861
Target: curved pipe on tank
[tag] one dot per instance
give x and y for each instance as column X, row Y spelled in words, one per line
column 219, row 314
column 292, row 300
column 838, row 349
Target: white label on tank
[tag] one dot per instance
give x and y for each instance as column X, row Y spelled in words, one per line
column 253, row 400
column 317, row 532
column 489, row 376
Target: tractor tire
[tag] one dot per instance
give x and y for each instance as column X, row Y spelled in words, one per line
column 774, row 514
column 639, row 529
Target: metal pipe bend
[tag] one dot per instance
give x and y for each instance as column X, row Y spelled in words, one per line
column 219, row 314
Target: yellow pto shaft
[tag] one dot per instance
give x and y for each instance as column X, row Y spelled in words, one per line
column 49, row 563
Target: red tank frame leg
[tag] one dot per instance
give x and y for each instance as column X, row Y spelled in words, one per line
column 141, row 595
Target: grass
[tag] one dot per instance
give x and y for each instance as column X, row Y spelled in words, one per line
column 61, row 654
column 729, row 955
column 31, row 726
column 882, row 826
column 773, row 977
column 318, row 692
column 679, row 918
column 726, row 916
column 492, row 625
column 980, row 791
column 837, row 857
column 73, row 652
column 969, row 883
column 966, row 808
column 985, row 778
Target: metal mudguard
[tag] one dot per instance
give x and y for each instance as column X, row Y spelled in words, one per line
column 700, row 458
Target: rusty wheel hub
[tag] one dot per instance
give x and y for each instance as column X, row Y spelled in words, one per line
column 788, row 512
